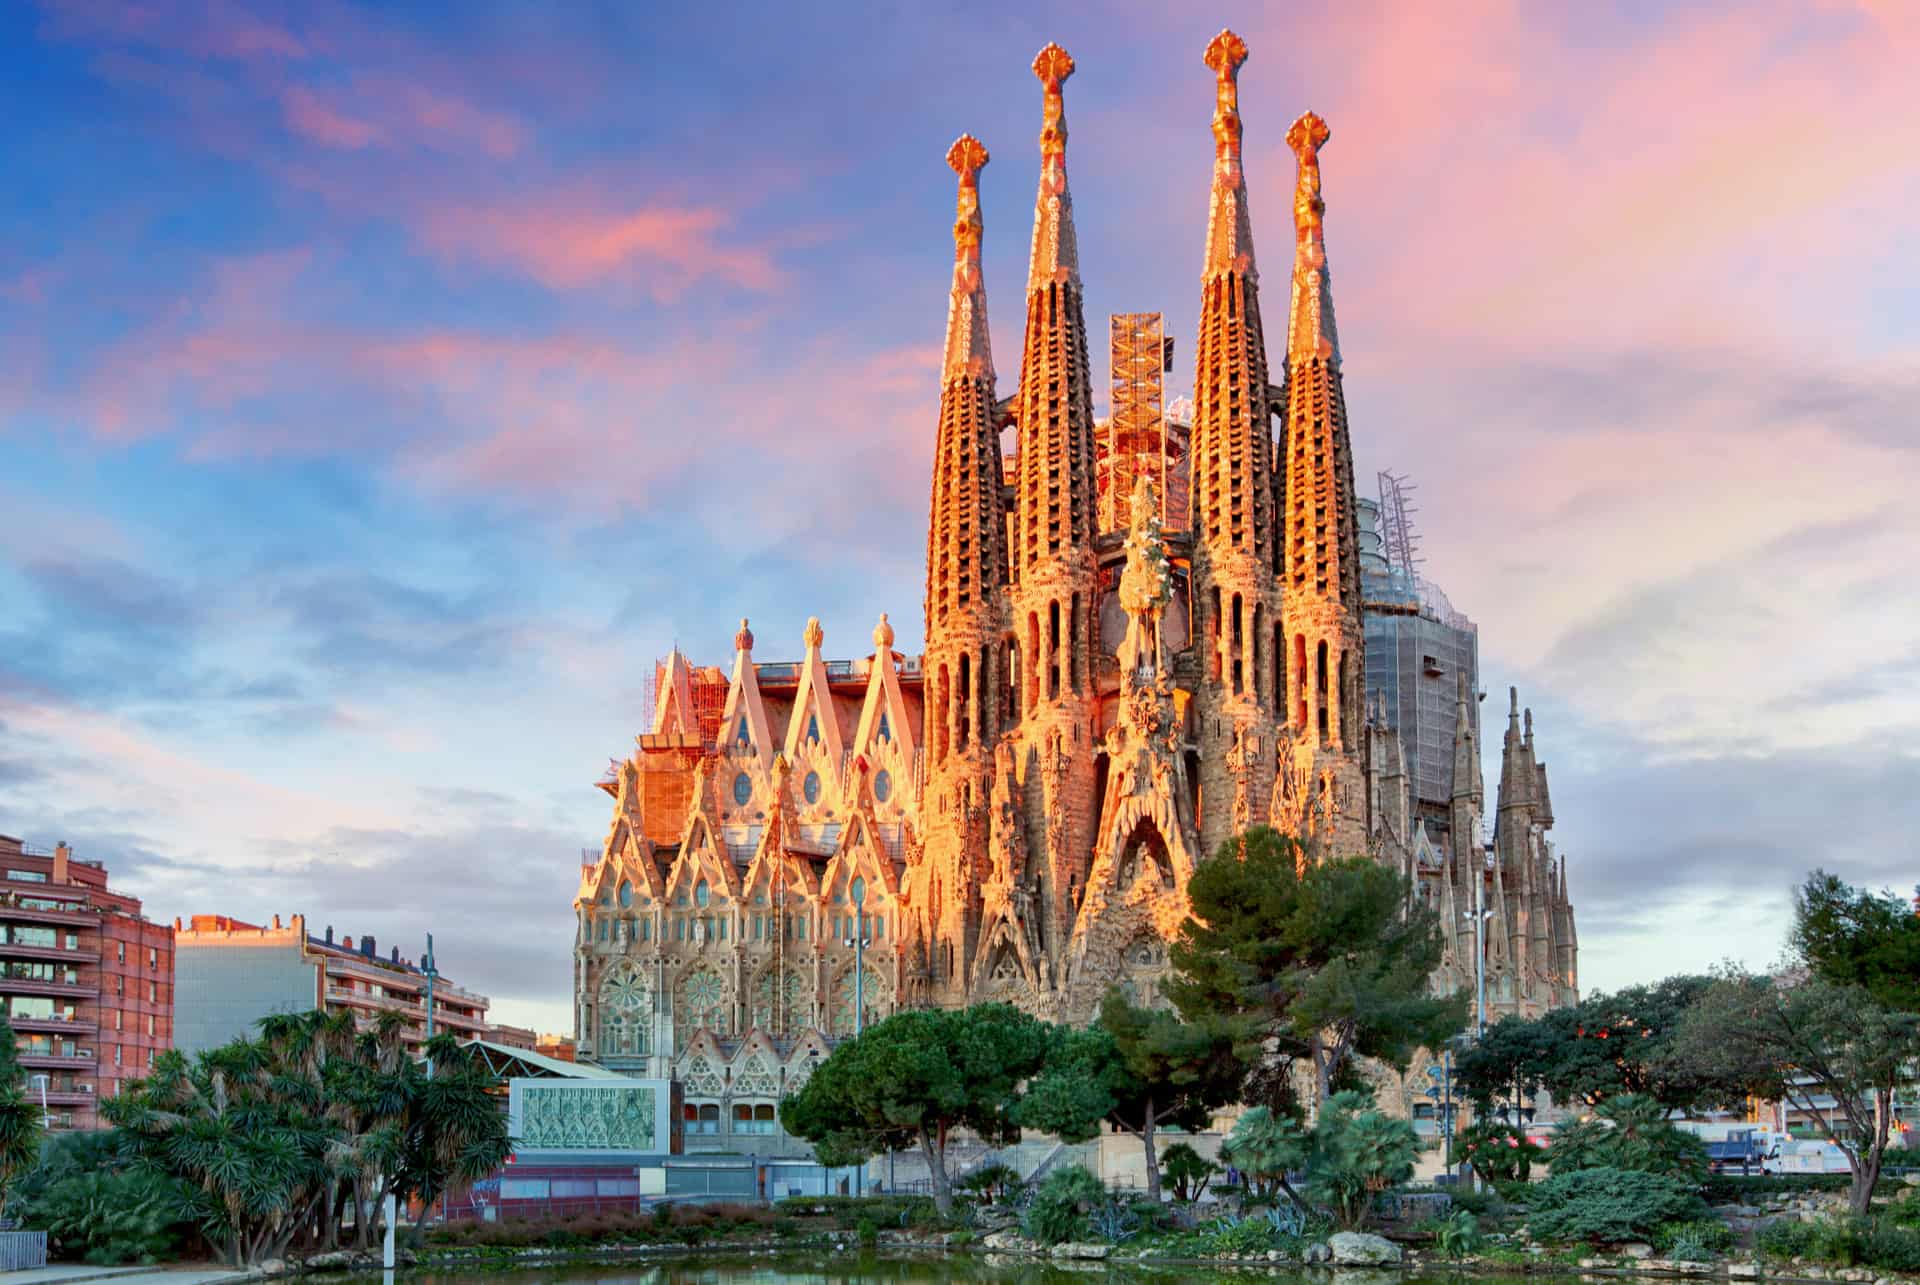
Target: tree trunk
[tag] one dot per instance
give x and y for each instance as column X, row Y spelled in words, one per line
column 1322, row 1076
column 1153, row 1161
column 1866, row 1164
column 937, row 1171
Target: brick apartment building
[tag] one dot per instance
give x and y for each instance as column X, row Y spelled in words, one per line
column 85, row 979
column 233, row 973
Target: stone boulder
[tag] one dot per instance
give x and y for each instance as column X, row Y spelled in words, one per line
column 1318, row 1253
column 1077, row 1249
column 1361, row 1249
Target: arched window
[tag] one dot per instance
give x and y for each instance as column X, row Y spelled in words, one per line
column 702, row 894
column 626, row 893
column 742, row 789
column 882, row 786
column 811, row 787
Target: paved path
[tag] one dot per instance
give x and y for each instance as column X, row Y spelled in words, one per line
column 75, row 1273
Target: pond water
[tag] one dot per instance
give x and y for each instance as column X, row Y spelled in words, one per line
column 870, row 1268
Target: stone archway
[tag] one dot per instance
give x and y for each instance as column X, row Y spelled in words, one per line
column 1145, row 849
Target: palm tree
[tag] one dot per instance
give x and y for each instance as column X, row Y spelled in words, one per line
column 21, row 1120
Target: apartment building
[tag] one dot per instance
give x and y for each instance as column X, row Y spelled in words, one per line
column 85, row 979
column 233, row 973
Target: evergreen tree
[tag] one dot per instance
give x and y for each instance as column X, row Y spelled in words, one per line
column 22, row 1122
column 1312, row 960
column 1139, row 1070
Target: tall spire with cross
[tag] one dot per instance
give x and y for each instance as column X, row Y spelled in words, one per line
column 966, row 661
column 1319, row 559
column 1054, row 573
column 1235, row 605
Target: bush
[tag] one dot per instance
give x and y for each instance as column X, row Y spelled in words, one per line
column 1061, row 1205
column 990, row 1182
column 1186, row 1171
column 847, row 1211
column 1630, row 1131
column 1784, row 1238
column 1606, row 1206
column 1498, row 1151
column 1700, row 1241
column 113, row 1217
column 1455, row 1236
column 1728, row 1188
column 1845, row 1240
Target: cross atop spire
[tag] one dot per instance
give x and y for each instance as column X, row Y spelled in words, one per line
column 1310, row 329
column 1056, row 253
column 969, row 353
column 1225, row 55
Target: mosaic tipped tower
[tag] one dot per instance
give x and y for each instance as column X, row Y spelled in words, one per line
column 1236, row 607
column 1054, row 572
column 1319, row 789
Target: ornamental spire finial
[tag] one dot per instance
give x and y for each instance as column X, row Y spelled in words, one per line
column 1225, row 55
column 1056, row 254
column 1053, row 65
column 1310, row 329
column 1229, row 226
column 969, row 354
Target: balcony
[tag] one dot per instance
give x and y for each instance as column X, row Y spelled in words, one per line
column 59, row 954
column 40, row 986
column 80, row 1095
column 55, row 1060
column 81, row 915
column 56, row 1025
column 398, row 1003
column 373, row 970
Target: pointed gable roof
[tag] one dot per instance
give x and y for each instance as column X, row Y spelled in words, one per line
column 884, row 700
column 673, row 710
column 744, row 704
column 813, row 709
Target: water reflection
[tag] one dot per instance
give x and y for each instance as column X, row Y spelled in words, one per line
column 828, row 1268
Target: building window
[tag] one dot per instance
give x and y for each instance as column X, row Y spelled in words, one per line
column 601, row 932
column 646, row 930
column 153, row 992
column 811, row 787
column 742, row 789
column 116, row 1055
column 885, row 733
column 756, row 928
column 723, row 928
column 123, row 951
column 27, row 876
column 150, row 1023
column 119, row 1019
column 679, row 927
column 879, row 927
column 626, row 894
column 119, row 984
column 701, row 1117
column 882, row 785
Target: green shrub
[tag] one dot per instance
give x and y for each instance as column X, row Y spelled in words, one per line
column 1186, row 1171
column 990, row 1182
column 113, row 1217
column 1700, row 1241
column 1606, row 1206
column 1784, row 1238
column 1728, row 1188
column 1061, row 1205
column 1630, row 1131
column 1458, row 1235
column 1498, row 1151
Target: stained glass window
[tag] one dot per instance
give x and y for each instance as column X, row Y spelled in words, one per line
column 885, row 732
column 882, row 785
column 626, row 893
column 701, row 894
column 742, row 789
column 811, row 787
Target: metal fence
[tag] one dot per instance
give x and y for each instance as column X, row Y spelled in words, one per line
column 21, row 1250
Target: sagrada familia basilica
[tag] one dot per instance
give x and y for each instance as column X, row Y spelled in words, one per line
column 1015, row 813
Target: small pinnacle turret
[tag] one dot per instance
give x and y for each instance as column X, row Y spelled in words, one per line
column 1056, row 253
column 1310, row 329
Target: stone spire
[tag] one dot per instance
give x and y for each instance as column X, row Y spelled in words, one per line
column 969, row 355
column 1056, row 253
column 966, row 539
column 1236, row 607
column 1054, row 574
column 1054, row 407
column 1310, row 329
column 1318, row 536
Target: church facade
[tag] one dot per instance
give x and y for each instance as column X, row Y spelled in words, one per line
column 798, row 847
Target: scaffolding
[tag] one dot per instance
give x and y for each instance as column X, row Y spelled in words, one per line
column 1136, row 442
column 1398, row 539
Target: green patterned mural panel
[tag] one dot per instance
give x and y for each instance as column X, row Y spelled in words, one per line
column 620, row 1118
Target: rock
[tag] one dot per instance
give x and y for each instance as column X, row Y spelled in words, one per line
column 1319, row 1253
column 1361, row 1248
column 1637, row 1249
column 272, row 1267
column 1079, row 1249
column 1009, row 1242
column 1743, row 1271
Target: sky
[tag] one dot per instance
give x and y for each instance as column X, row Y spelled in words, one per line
column 384, row 387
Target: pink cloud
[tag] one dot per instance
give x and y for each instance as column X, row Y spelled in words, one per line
column 214, row 29
column 311, row 118
column 666, row 248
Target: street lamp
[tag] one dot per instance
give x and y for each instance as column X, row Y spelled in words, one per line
column 858, row 890
column 46, row 1116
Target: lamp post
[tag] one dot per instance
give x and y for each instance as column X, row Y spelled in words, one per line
column 858, row 890
column 46, row 1115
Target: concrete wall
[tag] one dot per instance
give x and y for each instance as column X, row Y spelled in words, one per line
column 221, row 991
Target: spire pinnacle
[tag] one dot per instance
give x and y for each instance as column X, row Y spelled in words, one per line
column 1310, row 329
column 1056, row 254
column 969, row 354
column 1229, row 225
